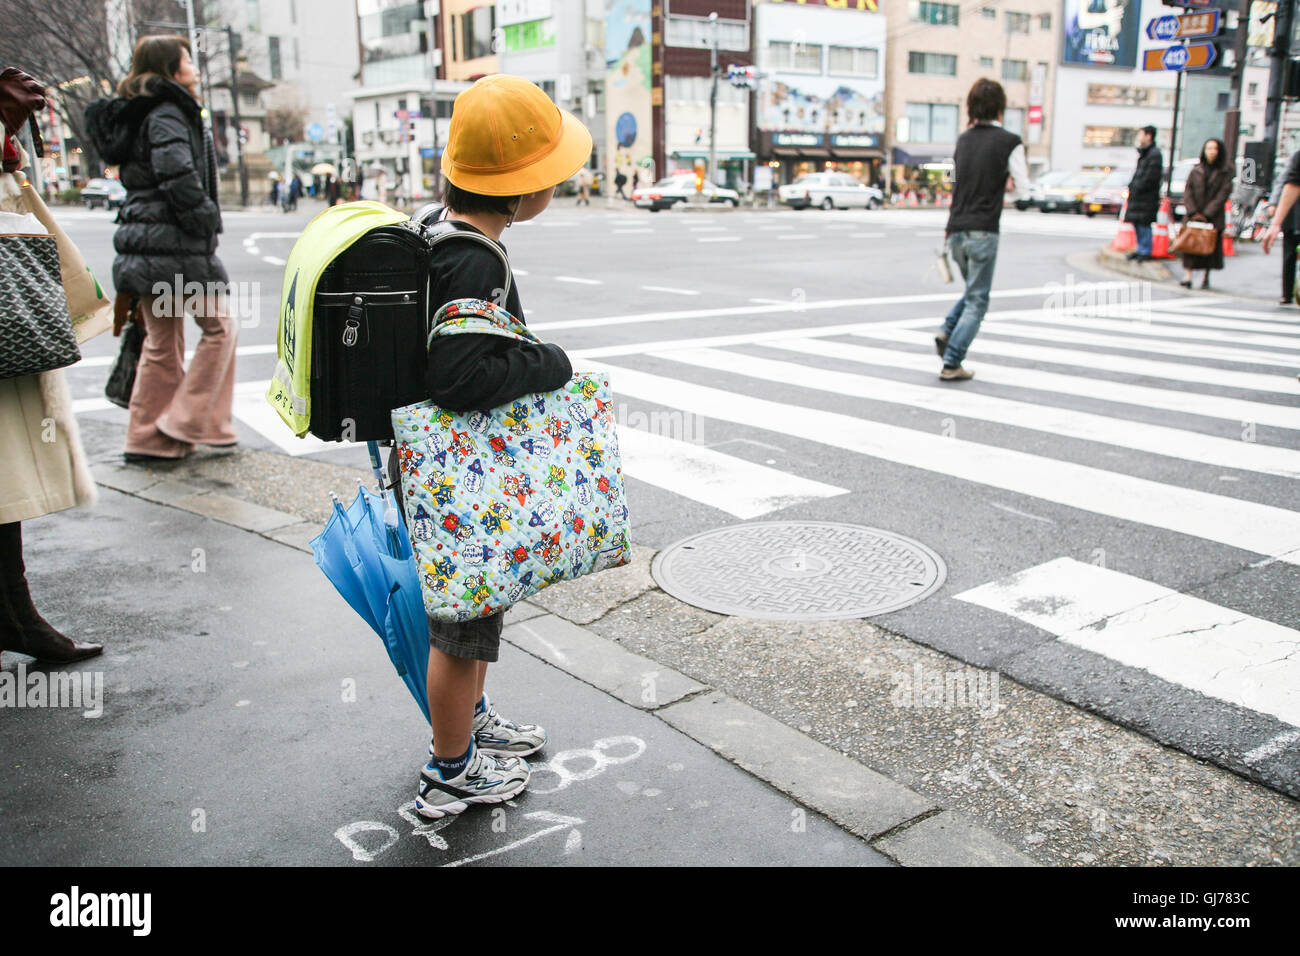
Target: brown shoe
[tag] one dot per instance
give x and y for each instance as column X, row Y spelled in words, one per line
column 957, row 374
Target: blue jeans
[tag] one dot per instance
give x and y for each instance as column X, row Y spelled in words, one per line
column 975, row 254
column 1144, row 239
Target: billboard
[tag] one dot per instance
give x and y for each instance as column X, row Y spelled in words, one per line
column 1101, row 32
column 629, row 137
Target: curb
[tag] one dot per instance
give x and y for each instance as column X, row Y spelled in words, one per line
column 893, row 819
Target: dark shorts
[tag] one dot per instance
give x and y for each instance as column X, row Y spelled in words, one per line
column 479, row 639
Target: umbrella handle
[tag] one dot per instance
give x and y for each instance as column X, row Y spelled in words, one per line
column 375, row 465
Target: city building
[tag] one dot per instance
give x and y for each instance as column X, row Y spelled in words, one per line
column 935, row 53
column 392, row 109
column 821, row 91
column 552, row 43
column 658, row 84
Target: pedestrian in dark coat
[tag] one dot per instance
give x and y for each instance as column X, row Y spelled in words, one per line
column 166, row 242
column 1205, row 196
column 1290, row 228
column 1144, row 191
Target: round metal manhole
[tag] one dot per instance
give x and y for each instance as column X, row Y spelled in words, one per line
column 799, row 571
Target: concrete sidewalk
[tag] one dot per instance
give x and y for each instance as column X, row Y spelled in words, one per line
column 1248, row 275
column 251, row 717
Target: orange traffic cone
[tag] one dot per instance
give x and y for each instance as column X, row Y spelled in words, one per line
column 912, row 200
column 1160, row 234
column 1126, row 236
column 1229, row 247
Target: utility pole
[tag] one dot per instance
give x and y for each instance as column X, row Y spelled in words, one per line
column 435, row 55
column 232, row 46
column 713, row 98
column 1173, row 133
column 1232, row 119
column 1281, row 56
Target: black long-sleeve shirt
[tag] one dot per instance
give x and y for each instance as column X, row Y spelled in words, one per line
column 470, row 372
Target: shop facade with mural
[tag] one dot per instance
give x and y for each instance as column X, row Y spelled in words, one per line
column 821, row 95
column 629, row 130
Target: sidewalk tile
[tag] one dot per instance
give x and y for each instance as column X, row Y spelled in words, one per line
column 949, row 839
column 241, row 514
column 857, row 798
column 633, row 679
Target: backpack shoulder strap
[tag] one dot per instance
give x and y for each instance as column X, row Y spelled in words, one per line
column 437, row 230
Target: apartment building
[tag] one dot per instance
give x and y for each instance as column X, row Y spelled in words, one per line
column 936, row 51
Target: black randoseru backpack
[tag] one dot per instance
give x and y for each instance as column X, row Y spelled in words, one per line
column 371, row 323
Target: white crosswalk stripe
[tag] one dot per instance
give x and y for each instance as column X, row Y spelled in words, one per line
column 1214, row 650
column 1173, row 345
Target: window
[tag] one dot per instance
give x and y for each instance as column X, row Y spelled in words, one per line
column 1015, row 69
column 1252, row 88
column 1116, row 135
column 852, row 60
column 1018, row 22
column 1013, row 121
column 801, row 57
column 297, row 63
column 477, row 27
column 928, row 11
column 941, row 64
column 986, row 63
column 931, row 123
column 254, row 11
column 695, row 89
column 988, row 13
column 1044, row 21
column 696, row 32
column 273, row 52
column 1107, row 94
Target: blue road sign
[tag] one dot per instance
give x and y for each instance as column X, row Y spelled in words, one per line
column 1163, row 28
column 315, row 132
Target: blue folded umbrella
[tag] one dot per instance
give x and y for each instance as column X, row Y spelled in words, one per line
column 365, row 553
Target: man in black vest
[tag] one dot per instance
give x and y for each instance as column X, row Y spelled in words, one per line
column 990, row 163
column 1144, row 192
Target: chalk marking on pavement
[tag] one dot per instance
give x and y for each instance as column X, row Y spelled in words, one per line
column 718, row 239
column 1213, row 650
column 791, row 305
column 1272, row 747
column 944, row 400
column 1173, row 371
column 561, row 823
column 734, row 485
column 359, row 852
column 578, row 280
column 666, row 288
column 1262, row 529
column 1144, row 396
column 559, row 654
column 1161, row 339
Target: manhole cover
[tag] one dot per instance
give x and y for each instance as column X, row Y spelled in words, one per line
column 799, row 571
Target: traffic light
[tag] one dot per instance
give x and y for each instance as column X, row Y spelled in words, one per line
column 243, row 136
column 744, row 77
column 699, row 175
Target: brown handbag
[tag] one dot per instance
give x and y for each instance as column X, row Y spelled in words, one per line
column 1195, row 239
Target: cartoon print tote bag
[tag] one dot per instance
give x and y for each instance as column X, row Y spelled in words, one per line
column 505, row 502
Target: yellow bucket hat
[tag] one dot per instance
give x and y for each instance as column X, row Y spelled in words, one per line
column 508, row 139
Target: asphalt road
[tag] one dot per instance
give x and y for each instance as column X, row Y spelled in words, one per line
column 1118, row 481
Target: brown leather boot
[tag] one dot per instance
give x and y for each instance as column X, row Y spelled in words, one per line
column 22, row 628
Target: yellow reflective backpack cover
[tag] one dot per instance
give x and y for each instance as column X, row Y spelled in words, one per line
column 325, row 238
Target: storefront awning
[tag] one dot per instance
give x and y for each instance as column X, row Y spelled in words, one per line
column 905, row 157
column 857, row 153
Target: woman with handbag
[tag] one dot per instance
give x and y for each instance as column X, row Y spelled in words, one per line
column 1208, row 186
column 45, row 467
column 167, row 240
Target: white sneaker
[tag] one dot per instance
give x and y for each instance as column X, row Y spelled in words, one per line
column 495, row 735
column 487, row 778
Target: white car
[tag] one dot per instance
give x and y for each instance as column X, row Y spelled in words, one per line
column 828, row 191
column 674, row 189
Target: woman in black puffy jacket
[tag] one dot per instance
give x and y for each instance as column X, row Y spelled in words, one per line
column 166, row 243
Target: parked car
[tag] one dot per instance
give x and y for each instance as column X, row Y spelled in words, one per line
column 1039, row 186
column 108, row 193
column 674, row 189
column 1178, row 184
column 1067, row 196
column 1109, row 194
column 829, row 190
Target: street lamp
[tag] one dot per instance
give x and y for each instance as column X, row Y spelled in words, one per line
column 713, row 96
